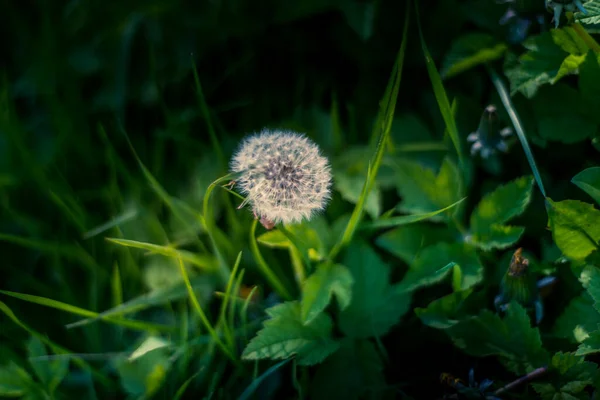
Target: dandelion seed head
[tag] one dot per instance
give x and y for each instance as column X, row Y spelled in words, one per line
column 283, row 175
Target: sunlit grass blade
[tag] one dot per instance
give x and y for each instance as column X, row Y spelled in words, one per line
column 203, row 261
column 226, row 299
column 264, row 268
column 247, row 394
column 196, row 304
column 516, row 121
column 118, row 220
column 382, row 128
column 58, row 305
column 406, row 219
column 440, row 93
column 154, row 298
column 53, row 346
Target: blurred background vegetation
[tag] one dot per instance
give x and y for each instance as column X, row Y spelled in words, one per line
column 80, row 78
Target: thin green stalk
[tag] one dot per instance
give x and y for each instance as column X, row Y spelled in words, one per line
column 298, row 245
column 203, row 318
column 516, row 121
column 262, row 265
column 586, row 37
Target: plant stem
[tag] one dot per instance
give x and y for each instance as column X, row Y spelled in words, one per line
column 536, row 373
column 586, row 37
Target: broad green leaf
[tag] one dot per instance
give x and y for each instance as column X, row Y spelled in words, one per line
column 284, row 335
column 424, row 192
column 327, row 281
column 14, row 380
column 406, row 242
column 589, row 80
column 578, row 320
column 563, row 115
column 444, row 312
column 355, row 371
column 590, row 279
column 144, row 375
column 568, row 376
column 149, row 344
column 547, row 61
column 350, row 187
column 309, row 237
column 424, row 270
column 512, row 338
column 588, row 180
column 590, row 345
column 376, row 305
column 495, row 209
column 50, row 372
column 575, row 227
column 469, row 51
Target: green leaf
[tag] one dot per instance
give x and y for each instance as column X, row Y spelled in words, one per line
column 563, row 115
column 50, row 372
column 14, row 380
column 309, row 237
column 469, row 51
column 512, row 339
column 350, row 187
column 406, row 242
column 547, row 61
column 355, row 371
column 444, row 312
column 327, row 281
column 590, row 345
column 568, row 375
column 376, row 305
column 424, row 192
column 424, row 270
column 495, row 209
column 588, row 180
column 578, row 320
column 592, row 18
column 589, row 80
column 575, row 227
column 590, row 279
column 145, row 374
column 284, row 335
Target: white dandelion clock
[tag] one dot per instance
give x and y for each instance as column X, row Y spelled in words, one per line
column 283, row 175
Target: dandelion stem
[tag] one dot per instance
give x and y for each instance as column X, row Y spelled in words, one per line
column 262, row 265
column 301, row 250
column 536, row 373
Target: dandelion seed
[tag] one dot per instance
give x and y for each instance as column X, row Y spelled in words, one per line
column 283, row 175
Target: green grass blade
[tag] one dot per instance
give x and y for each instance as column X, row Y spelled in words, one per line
column 58, row 305
column 226, row 299
column 196, row 304
column 383, row 126
column 53, row 346
column 116, row 286
column 118, row 220
column 256, row 382
column 264, row 268
column 392, row 222
column 205, row 262
column 516, row 121
column 440, row 93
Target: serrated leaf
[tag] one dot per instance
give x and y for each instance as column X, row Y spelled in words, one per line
column 545, row 61
column 422, row 191
column 512, row 339
column 469, row 51
column 424, row 271
column 14, row 380
column 406, row 242
column 50, row 372
column 284, row 335
column 592, row 18
column 498, row 207
column 588, row 180
column 355, row 371
column 444, row 312
column 321, row 286
column 575, row 227
column 590, row 279
column 376, row 305
column 578, row 320
column 563, row 115
column 590, row 345
column 568, row 375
